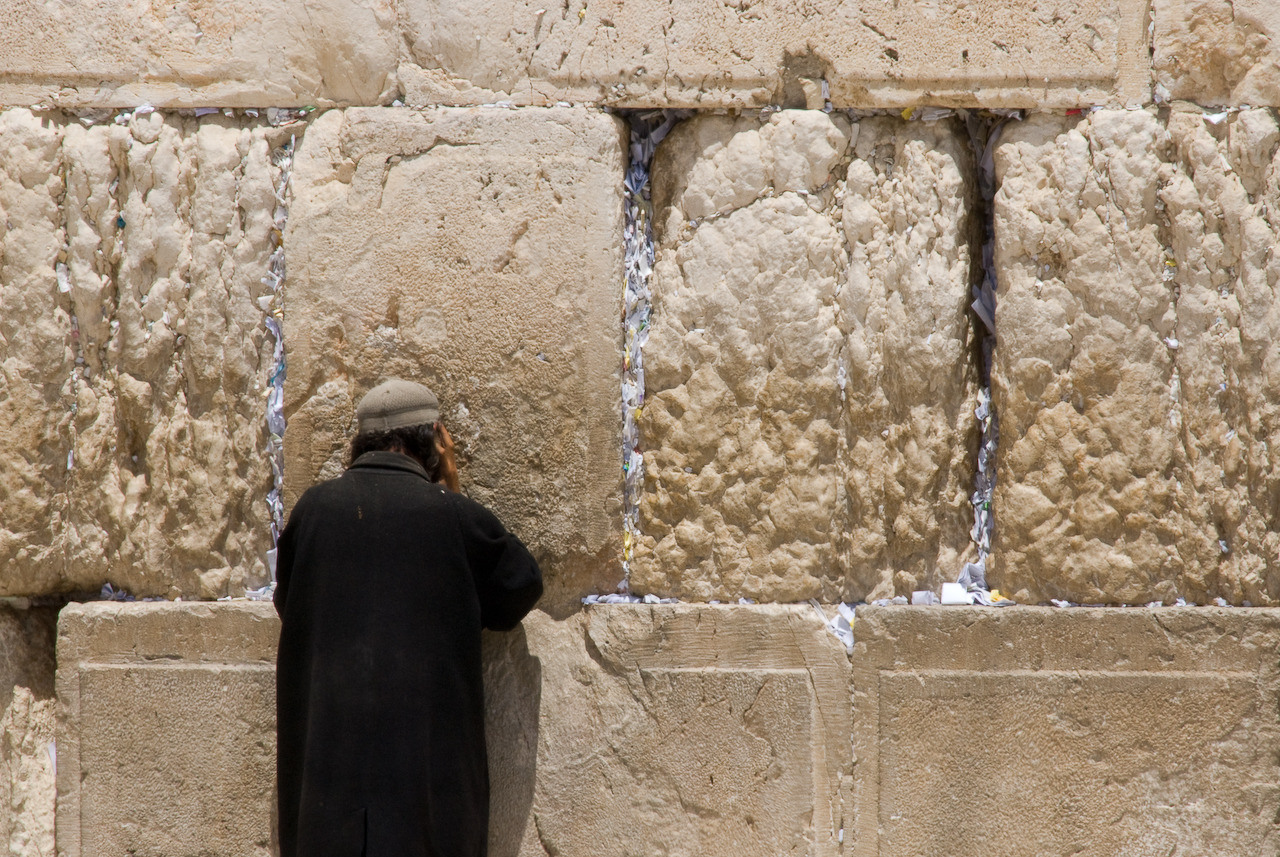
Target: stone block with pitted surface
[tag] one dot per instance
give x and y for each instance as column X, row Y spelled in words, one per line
column 135, row 358
column 809, row 414
column 1136, row 376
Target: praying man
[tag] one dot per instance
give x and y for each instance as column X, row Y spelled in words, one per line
column 385, row 577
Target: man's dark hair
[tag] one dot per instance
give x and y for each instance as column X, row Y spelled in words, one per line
column 418, row 442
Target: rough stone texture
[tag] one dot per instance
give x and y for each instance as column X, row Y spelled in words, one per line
column 1219, row 52
column 808, row 423
column 1007, row 53
column 27, row 774
column 630, row 729
column 166, row 728
column 1034, row 731
column 686, row 730
column 1026, row 53
column 134, row 354
column 27, row 710
column 478, row 251
column 1136, row 375
column 249, row 53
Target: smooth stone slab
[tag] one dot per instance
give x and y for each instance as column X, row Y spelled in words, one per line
column 1035, row 731
column 166, row 728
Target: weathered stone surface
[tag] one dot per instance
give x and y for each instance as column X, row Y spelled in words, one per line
column 808, row 421
column 134, row 353
column 1135, row 378
column 681, row 730
column 27, row 774
column 1219, row 52
column 1046, row 53
column 1008, row 53
column 478, row 251
column 166, row 730
column 247, row 53
column 623, row 729
column 27, row 704
column 35, row 354
column 1034, row 731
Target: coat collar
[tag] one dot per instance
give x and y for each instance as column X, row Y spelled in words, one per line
column 387, row 460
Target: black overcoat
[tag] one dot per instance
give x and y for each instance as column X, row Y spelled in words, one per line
column 384, row 580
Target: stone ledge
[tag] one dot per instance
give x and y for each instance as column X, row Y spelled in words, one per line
column 1033, row 731
column 245, row 53
column 1009, row 53
column 1004, row 53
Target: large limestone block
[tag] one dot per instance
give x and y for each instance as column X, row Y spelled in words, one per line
column 134, row 352
column 35, row 356
column 476, row 251
column 870, row 54
column 628, row 729
column 166, row 728
column 1035, row 731
column 27, row 711
column 1219, row 52
column 684, row 730
column 808, row 421
column 1136, row 374
column 248, row 53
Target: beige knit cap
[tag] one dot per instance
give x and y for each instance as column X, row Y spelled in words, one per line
column 395, row 404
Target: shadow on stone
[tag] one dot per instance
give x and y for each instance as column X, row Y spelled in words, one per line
column 513, row 699
column 27, row 706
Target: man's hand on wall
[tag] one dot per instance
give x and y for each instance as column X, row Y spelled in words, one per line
column 448, row 464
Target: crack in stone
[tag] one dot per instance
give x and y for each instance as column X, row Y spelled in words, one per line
column 984, row 134
column 648, row 128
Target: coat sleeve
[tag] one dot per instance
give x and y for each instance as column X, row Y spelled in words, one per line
column 507, row 578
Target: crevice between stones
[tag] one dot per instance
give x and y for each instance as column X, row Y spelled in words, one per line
column 984, row 133
column 273, row 319
column 648, row 128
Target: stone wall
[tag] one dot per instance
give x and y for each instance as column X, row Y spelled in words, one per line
column 812, row 362
column 688, row 729
column 810, row 393
column 1012, row 53
column 821, row 214
column 476, row 250
column 135, row 360
column 1136, row 364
